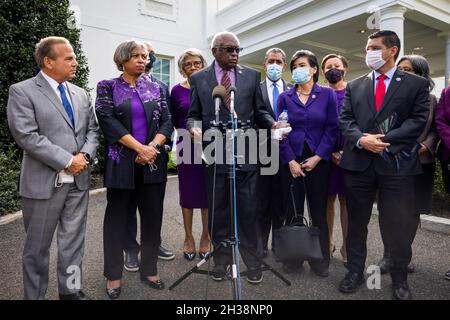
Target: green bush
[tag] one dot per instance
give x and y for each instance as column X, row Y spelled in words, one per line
column 23, row 24
column 9, row 179
column 172, row 165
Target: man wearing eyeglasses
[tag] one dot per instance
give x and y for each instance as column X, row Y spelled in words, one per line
column 249, row 106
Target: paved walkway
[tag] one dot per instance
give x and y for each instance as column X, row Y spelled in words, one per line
column 431, row 257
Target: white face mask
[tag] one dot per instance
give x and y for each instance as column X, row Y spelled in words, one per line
column 374, row 59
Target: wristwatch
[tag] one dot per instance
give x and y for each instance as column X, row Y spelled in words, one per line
column 87, row 156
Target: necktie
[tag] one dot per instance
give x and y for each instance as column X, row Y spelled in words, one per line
column 66, row 103
column 275, row 94
column 226, row 82
column 380, row 91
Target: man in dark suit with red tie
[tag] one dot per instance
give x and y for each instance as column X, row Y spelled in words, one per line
column 382, row 117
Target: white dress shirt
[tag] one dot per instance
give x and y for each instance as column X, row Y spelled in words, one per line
column 270, row 84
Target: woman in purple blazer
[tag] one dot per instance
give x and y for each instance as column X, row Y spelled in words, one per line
column 443, row 128
column 306, row 153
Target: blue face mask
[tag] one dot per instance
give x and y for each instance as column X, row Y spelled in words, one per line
column 274, row 72
column 301, row 75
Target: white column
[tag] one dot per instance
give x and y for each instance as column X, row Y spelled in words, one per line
column 447, row 58
column 393, row 18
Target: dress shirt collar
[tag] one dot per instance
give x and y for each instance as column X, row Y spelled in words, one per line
column 279, row 83
column 52, row 82
column 389, row 74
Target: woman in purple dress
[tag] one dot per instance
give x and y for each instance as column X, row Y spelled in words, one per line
column 334, row 68
column 191, row 181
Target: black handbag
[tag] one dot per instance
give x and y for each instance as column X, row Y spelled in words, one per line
column 298, row 240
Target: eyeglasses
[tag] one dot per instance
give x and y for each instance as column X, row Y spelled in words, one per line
column 196, row 64
column 231, row 49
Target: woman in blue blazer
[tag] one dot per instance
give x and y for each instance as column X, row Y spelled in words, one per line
column 305, row 154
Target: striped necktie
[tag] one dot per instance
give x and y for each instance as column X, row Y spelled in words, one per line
column 226, row 82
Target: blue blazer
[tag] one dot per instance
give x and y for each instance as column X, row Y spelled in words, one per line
column 315, row 123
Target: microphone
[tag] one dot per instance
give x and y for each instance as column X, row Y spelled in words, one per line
column 218, row 95
column 232, row 94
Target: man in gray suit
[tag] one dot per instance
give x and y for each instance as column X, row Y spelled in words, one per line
column 52, row 120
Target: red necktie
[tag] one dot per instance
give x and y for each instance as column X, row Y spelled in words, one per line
column 380, row 91
column 226, row 82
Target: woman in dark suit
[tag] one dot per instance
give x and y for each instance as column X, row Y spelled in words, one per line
column 135, row 121
column 306, row 153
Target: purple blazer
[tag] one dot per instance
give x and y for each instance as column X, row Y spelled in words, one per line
column 315, row 123
column 443, row 124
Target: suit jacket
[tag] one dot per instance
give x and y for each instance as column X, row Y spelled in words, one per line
column 443, row 124
column 315, row 123
column 249, row 104
column 405, row 105
column 286, row 86
column 114, row 112
column 429, row 136
column 41, row 127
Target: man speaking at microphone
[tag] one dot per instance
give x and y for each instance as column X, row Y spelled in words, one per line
column 248, row 106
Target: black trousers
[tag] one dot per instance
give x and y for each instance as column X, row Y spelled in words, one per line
column 398, row 222
column 148, row 198
column 131, row 244
column 316, row 182
column 219, row 216
column 270, row 213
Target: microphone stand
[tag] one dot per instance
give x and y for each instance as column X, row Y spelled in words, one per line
column 233, row 241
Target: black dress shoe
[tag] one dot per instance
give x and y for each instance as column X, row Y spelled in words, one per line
column 113, row 293
column 74, row 296
column 351, row 282
column 401, row 291
column 385, row 265
column 158, row 284
column 165, row 254
column 131, row 261
column 447, row 275
column 203, row 255
column 189, row 255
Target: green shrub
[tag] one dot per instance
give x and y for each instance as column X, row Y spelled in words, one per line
column 9, row 179
column 172, row 165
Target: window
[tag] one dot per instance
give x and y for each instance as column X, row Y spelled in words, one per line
column 161, row 70
column 162, row 9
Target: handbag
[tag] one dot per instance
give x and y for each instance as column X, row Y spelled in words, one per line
column 298, row 240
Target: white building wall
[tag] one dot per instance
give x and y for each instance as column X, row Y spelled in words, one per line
column 106, row 23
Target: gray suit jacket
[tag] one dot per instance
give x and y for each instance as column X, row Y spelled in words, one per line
column 41, row 127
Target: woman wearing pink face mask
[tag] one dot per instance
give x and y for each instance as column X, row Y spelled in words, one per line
column 334, row 68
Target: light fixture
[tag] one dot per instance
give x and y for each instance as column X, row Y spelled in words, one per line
column 362, row 31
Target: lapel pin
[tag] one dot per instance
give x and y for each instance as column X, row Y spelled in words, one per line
column 313, row 96
column 398, row 79
column 240, row 72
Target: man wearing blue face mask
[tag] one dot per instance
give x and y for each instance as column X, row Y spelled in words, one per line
column 383, row 115
column 270, row 185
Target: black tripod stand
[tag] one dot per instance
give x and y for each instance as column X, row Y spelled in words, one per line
column 231, row 243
